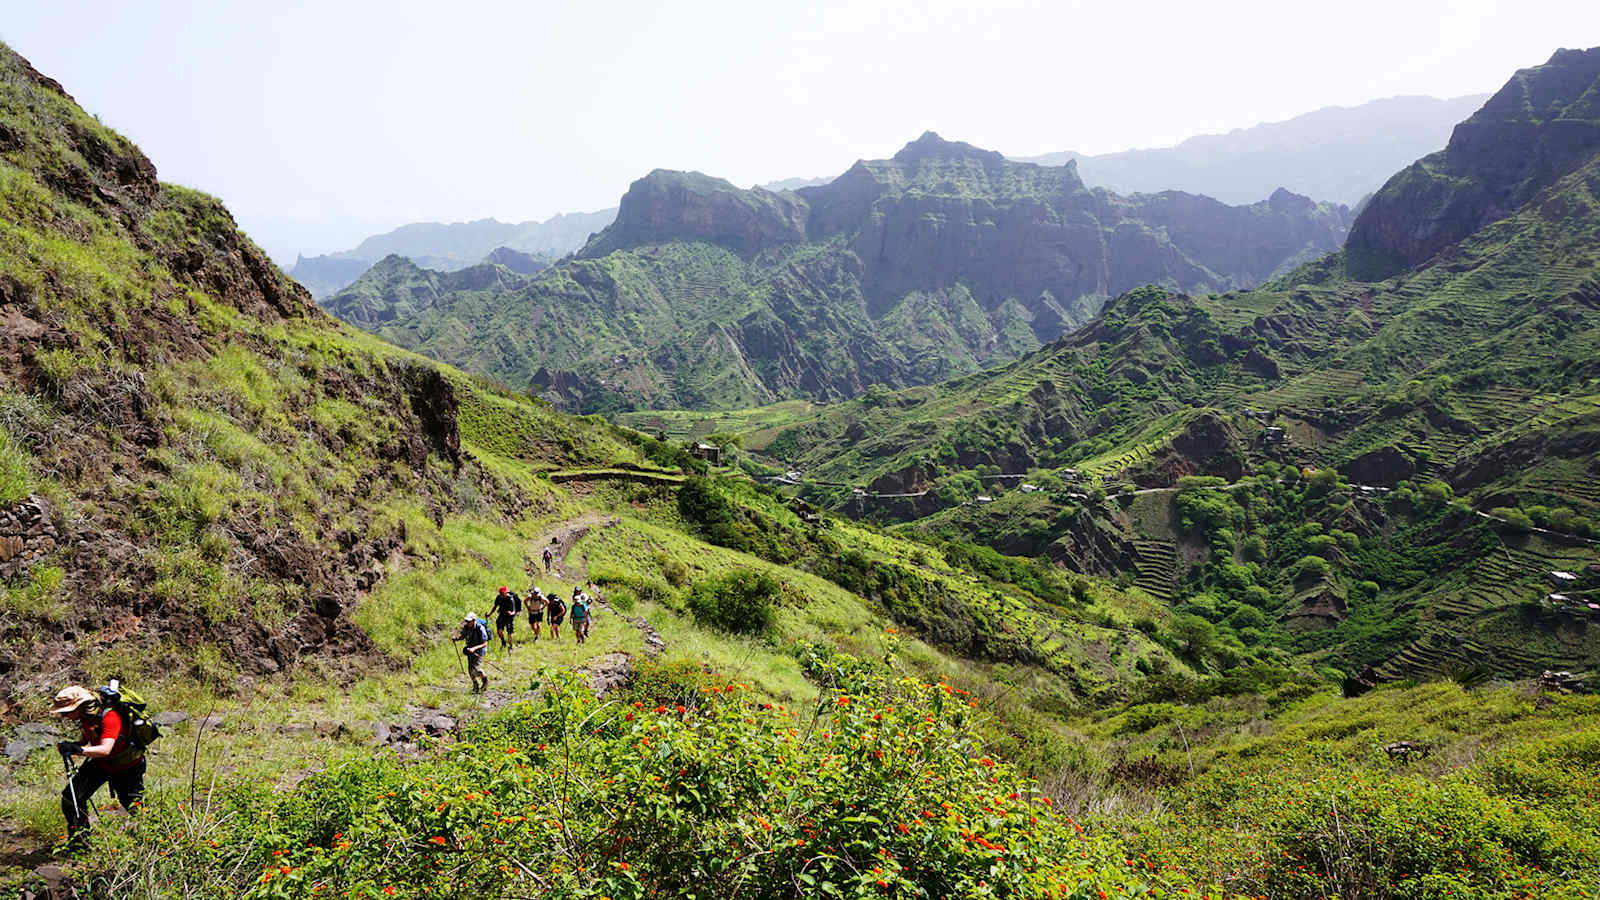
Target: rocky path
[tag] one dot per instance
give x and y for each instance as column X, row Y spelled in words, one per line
column 561, row 541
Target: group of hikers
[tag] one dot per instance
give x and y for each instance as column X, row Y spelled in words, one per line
column 543, row 609
column 114, row 730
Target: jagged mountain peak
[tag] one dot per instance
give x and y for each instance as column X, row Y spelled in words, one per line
column 931, row 146
column 668, row 205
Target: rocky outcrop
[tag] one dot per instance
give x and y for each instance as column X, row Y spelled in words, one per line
column 517, row 261
column 1542, row 125
column 1385, row 466
column 938, row 262
column 941, row 213
column 689, row 206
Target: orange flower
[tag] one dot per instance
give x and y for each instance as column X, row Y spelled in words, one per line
column 437, row 840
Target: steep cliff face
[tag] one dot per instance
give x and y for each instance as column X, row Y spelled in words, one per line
column 1542, row 125
column 942, row 213
column 688, row 206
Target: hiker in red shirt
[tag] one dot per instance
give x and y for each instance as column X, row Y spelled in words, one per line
column 111, row 755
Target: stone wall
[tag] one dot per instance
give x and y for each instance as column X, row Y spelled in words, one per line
column 27, row 535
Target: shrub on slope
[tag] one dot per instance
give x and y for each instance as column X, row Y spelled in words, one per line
column 884, row 792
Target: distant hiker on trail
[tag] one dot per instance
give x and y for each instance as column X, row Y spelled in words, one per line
column 475, row 637
column 113, row 757
column 580, row 615
column 548, row 558
column 536, row 605
column 555, row 611
column 506, row 606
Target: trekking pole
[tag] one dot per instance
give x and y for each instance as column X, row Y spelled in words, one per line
column 72, row 789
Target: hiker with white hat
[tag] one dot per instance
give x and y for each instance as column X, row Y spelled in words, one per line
column 475, row 637
column 113, row 756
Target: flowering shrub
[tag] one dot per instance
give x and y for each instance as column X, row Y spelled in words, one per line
column 885, row 794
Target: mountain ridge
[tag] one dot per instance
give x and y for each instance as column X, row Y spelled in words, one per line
column 939, row 260
column 447, row 247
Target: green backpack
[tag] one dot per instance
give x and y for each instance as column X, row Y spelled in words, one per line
column 142, row 731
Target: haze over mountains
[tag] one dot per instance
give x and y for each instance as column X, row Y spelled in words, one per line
column 1339, row 153
column 934, row 263
column 446, row 248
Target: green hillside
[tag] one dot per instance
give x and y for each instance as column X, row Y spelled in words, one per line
column 270, row 524
column 912, row 270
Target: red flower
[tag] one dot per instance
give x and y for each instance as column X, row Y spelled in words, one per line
column 437, row 840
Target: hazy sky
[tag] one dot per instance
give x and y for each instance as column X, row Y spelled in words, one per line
column 321, row 122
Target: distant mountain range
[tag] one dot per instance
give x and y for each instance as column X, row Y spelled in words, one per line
column 932, row 264
column 1338, row 153
column 449, row 247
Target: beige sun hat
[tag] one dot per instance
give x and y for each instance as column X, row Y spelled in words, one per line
column 470, row 617
column 69, row 699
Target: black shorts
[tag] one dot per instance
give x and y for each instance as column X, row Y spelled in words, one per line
column 506, row 622
column 557, row 620
column 535, row 616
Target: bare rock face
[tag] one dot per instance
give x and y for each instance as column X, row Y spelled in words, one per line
column 942, row 212
column 679, row 206
column 1542, row 125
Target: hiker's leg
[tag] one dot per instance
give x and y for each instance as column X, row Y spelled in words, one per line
column 129, row 787
column 84, row 783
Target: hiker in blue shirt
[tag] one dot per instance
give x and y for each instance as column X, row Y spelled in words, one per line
column 582, row 615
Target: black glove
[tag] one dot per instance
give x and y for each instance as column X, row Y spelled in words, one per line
column 67, row 748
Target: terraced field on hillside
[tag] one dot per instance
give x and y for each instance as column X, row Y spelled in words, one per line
column 1475, row 623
